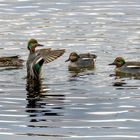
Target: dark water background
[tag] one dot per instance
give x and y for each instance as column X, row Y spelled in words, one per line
column 83, row 106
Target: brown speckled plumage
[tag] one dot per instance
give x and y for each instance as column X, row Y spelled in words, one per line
column 13, row 61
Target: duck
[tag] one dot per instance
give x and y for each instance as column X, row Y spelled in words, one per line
column 37, row 58
column 11, row 61
column 126, row 68
column 80, row 61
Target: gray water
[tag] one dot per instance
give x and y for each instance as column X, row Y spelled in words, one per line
column 68, row 106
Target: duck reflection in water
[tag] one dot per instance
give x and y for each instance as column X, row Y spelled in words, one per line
column 82, row 72
column 122, row 83
column 40, row 103
column 34, row 91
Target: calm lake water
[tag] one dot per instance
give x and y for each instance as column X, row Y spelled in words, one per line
column 68, row 106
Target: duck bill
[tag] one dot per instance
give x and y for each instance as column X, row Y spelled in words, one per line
column 112, row 63
column 40, row 45
column 67, row 60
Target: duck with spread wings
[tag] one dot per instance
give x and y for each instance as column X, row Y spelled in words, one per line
column 37, row 58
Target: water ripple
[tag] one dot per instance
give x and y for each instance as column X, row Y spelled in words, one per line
column 108, row 113
column 90, row 104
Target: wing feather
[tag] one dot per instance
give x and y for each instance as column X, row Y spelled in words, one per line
column 50, row 55
column 87, row 55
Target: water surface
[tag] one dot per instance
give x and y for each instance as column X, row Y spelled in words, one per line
column 88, row 105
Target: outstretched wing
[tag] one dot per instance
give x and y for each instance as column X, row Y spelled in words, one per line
column 50, row 55
column 44, row 56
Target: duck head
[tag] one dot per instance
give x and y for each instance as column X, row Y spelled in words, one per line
column 32, row 44
column 73, row 57
column 118, row 62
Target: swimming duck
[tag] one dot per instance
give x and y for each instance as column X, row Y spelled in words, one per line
column 123, row 68
column 79, row 61
column 37, row 58
column 11, row 61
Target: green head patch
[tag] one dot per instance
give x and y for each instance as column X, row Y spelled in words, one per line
column 30, row 42
column 119, row 61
